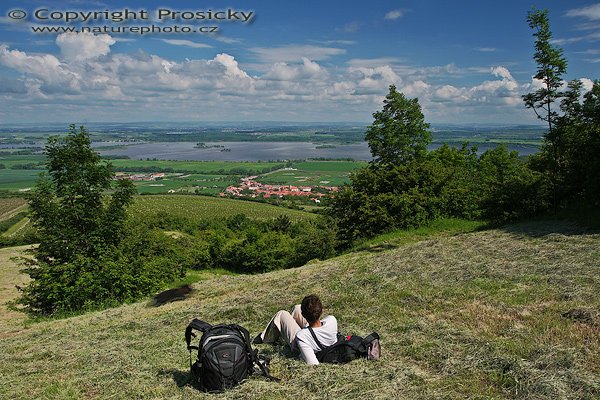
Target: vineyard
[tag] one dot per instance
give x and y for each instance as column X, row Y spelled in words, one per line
column 203, row 207
column 11, row 206
column 13, row 218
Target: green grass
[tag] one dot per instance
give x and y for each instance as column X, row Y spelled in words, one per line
column 20, row 228
column 314, row 173
column 18, row 179
column 443, row 226
column 194, row 276
column 479, row 315
column 10, row 160
column 340, row 166
column 203, row 207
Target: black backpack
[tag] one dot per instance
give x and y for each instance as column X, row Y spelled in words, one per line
column 348, row 348
column 225, row 356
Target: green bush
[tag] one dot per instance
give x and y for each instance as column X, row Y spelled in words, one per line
column 449, row 182
column 244, row 245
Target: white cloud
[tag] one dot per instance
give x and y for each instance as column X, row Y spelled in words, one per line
column 416, row 89
column 590, row 12
column 374, row 80
column 448, row 92
column 224, row 39
column 44, row 70
column 231, row 66
column 284, row 72
column 502, row 72
column 486, row 49
column 592, row 37
column 187, row 43
column 83, row 46
column 394, row 14
column 588, row 84
column 373, row 62
column 335, row 42
column 129, row 86
column 294, row 53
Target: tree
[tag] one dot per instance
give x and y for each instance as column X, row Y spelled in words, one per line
column 590, row 162
column 399, row 133
column 69, row 208
column 79, row 228
column 551, row 66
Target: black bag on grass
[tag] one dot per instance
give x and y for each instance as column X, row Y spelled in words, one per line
column 348, row 348
column 225, row 356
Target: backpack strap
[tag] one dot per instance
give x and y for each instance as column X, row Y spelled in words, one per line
column 254, row 358
column 371, row 337
column 197, row 325
column 316, row 340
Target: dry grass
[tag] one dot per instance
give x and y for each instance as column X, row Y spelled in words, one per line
column 486, row 315
column 11, row 322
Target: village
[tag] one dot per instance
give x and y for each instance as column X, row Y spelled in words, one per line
column 250, row 187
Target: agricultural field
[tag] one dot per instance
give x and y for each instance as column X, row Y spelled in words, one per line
column 187, row 183
column 14, row 180
column 204, row 177
column 11, row 160
column 204, row 207
column 11, row 206
column 21, row 228
column 313, row 173
column 13, row 218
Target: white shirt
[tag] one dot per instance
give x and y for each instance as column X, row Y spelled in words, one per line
column 326, row 333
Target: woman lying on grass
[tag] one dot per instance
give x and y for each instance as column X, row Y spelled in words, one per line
column 291, row 327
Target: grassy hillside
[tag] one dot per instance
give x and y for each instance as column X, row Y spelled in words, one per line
column 510, row 313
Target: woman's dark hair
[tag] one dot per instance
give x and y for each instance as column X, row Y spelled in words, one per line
column 311, row 308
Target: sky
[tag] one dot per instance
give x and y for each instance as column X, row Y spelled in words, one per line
column 467, row 61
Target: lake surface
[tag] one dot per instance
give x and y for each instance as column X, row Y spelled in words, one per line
column 240, row 151
column 260, row 151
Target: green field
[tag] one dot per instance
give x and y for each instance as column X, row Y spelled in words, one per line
column 314, row 173
column 203, row 207
column 187, row 183
column 509, row 313
column 10, row 160
column 18, row 179
column 204, row 177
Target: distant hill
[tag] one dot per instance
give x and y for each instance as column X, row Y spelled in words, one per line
column 507, row 313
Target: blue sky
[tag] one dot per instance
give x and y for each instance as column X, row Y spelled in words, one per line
column 466, row 61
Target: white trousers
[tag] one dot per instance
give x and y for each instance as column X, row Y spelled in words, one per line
column 284, row 325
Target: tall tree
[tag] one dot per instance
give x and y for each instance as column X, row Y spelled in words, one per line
column 69, row 208
column 79, row 229
column 399, row 133
column 591, row 145
column 551, row 66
